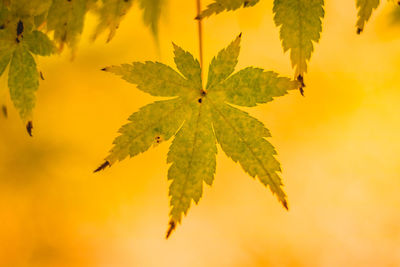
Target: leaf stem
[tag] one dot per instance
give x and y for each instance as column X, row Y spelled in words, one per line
column 200, row 33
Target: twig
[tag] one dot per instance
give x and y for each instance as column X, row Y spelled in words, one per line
column 200, row 32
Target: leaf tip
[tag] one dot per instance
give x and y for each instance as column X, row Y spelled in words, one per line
column 104, row 69
column 300, row 79
column 4, row 110
column 29, row 127
column 102, row 166
column 41, row 76
column 171, row 228
column 285, row 204
column 359, row 30
column 240, row 35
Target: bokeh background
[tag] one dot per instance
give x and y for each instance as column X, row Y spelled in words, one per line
column 339, row 147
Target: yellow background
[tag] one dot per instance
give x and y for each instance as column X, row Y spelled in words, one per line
column 339, row 148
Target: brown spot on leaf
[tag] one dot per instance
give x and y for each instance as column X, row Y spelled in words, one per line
column 158, row 139
column 300, row 79
column 29, row 127
column 20, row 28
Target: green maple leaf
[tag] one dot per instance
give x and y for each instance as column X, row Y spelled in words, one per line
column 365, row 8
column 66, row 19
column 21, row 38
column 198, row 119
column 110, row 14
column 301, row 25
column 18, row 43
column 151, row 13
column 219, row 6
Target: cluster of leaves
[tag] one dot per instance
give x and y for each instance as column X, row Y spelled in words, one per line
column 198, row 118
column 43, row 27
column 55, row 23
column 300, row 23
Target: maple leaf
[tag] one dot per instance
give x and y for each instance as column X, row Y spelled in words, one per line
column 365, row 8
column 219, row 6
column 301, row 25
column 18, row 43
column 21, row 22
column 198, row 119
column 110, row 14
column 151, row 13
column 66, row 19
